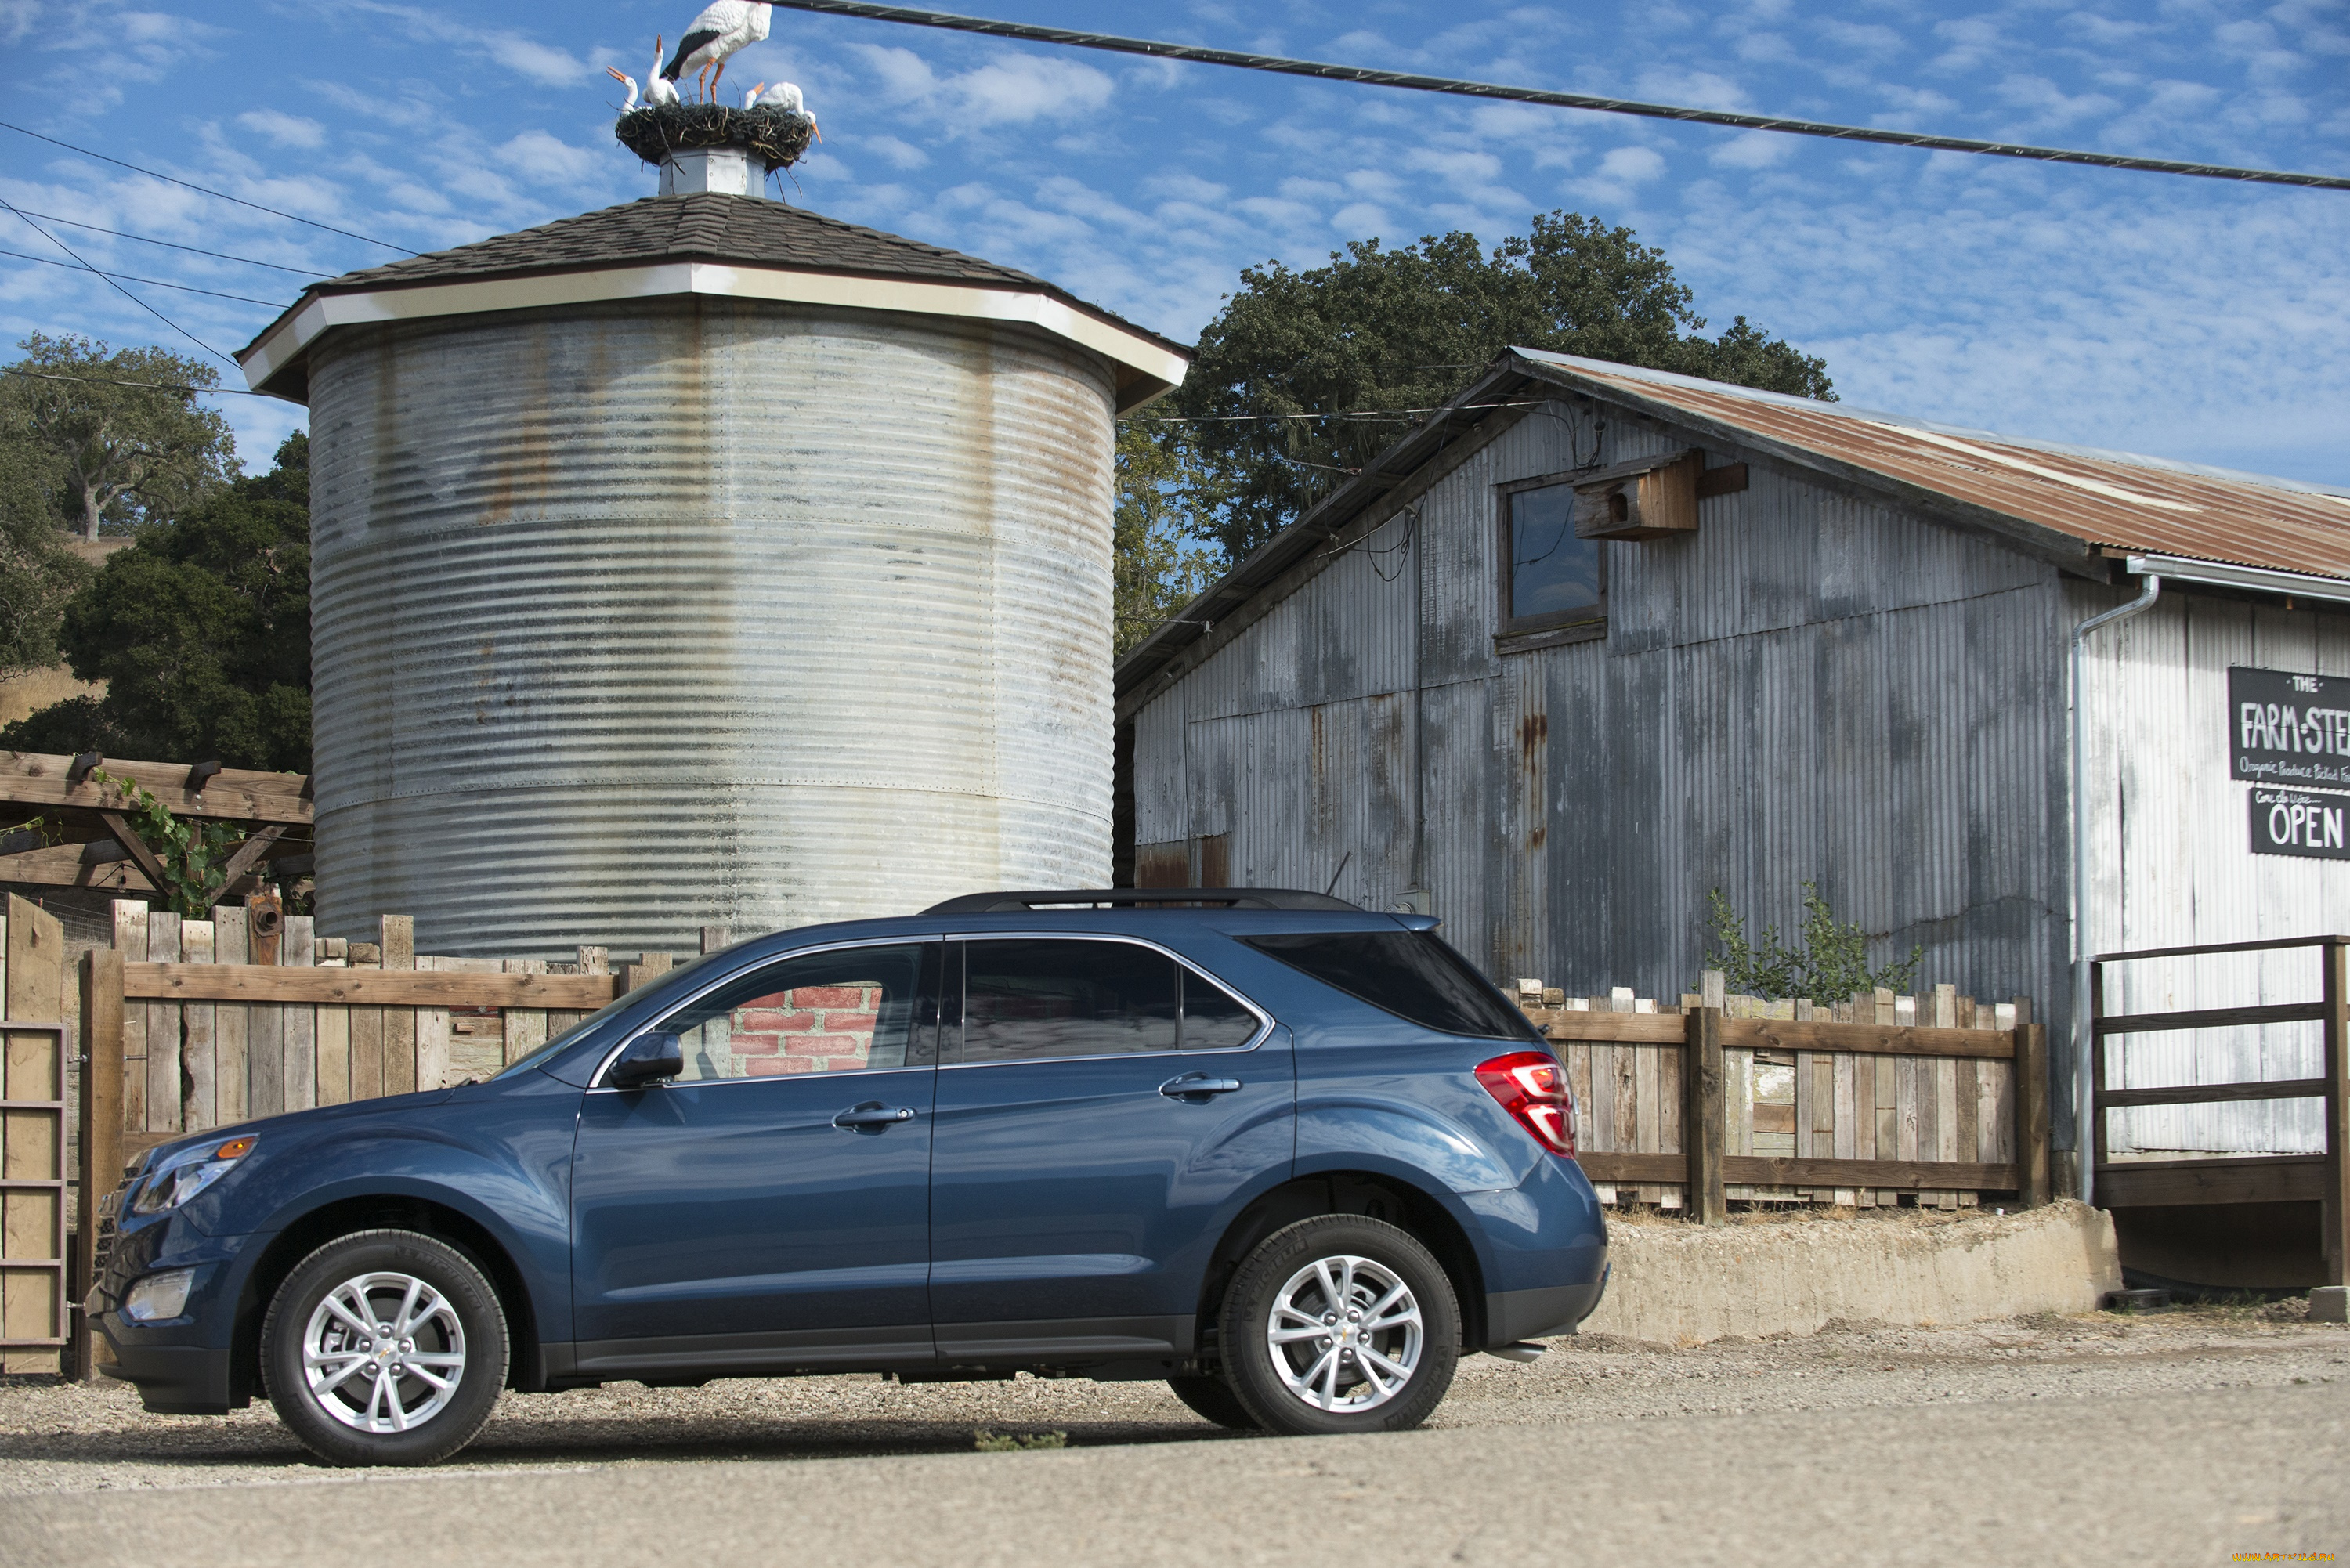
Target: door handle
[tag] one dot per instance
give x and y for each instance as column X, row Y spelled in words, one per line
column 1191, row 1083
column 874, row 1115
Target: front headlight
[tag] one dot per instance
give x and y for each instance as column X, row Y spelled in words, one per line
column 184, row 1175
column 159, row 1297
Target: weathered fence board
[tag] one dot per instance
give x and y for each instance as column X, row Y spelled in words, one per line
column 1858, row 1104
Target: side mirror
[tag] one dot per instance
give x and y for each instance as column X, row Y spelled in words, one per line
column 648, row 1059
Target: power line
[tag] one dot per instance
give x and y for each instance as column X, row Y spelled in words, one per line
column 149, row 386
column 206, row 190
column 134, row 277
column 118, row 289
column 172, row 245
column 1459, row 87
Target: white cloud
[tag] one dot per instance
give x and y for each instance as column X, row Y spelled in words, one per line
column 285, row 129
column 1753, row 150
column 896, row 153
column 535, row 155
column 1632, row 165
column 1017, row 91
column 517, row 52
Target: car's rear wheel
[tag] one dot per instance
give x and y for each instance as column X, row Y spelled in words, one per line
column 1340, row 1324
column 1213, row 1398
column 384, row 1347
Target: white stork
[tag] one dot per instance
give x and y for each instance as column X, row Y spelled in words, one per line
column 723, row 28
column 659, row 88
column 658, row 92
column 785, row 95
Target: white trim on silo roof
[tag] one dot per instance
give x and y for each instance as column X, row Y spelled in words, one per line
column 1148, row 368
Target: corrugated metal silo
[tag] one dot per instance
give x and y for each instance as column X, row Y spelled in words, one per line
column 704, row 561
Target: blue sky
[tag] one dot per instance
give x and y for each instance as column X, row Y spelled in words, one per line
column 2192, row 319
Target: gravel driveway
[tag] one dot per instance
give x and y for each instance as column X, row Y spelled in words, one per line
column 2107, row 1396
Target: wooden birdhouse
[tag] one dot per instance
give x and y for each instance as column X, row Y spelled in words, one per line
column 1647, row 498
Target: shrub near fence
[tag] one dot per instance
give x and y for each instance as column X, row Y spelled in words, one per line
column 1937, row 1099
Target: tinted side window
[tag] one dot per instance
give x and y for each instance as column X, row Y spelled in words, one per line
column 1050, row 998
column 825, row 1012
column 1412, row 975
column 1213, row 1020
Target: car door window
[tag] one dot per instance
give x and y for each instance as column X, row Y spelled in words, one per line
column 1032, row 998
column 1214, row 1019
column 846, row 1009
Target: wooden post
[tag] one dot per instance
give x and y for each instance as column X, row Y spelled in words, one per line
column 398, row 933
column 1701, row 1122
column 101, row 1112
column 2335, row 1208
column 33, row 1291
column 264, row 1027
column 2030, row 1078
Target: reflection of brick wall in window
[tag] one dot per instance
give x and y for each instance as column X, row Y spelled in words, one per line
column 814, row 1029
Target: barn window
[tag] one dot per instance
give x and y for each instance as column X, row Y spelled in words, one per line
column 1550, row 578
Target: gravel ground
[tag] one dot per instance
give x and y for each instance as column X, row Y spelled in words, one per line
column 63, row 1439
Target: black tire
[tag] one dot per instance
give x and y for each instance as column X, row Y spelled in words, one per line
column 1386, row 1257
column 459, row 1328
column 1212, row 1398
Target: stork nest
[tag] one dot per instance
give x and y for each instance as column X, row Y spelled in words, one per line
column 654, row 132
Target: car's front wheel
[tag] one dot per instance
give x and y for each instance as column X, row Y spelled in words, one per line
column 384, row 1347
column 1340, row 1324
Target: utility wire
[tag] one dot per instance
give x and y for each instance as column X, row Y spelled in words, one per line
column 118, row 289
column 206, row 190
column 134, row 277
column 1454, row 85
column 172, row 244
column 188, row 387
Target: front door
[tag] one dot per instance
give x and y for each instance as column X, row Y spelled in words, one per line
column 769, row 1208
column 1103, row 1111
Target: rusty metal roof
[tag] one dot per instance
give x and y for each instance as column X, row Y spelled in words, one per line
column 2107, row 500
column 2069, row 505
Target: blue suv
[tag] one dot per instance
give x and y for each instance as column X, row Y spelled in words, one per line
column 1293, row 1158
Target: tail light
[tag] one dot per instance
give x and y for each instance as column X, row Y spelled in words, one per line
column 1532, row 1087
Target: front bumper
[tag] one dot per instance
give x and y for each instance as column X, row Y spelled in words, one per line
column 175, row 1379
column 183, row 1365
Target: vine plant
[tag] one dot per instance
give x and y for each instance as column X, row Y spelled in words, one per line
column 194, row 856
column 1831, row 965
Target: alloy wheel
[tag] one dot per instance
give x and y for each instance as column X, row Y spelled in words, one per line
column 383, row 1353
column 1345, row 1334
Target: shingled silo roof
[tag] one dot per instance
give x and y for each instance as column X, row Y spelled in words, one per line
column 708, row 227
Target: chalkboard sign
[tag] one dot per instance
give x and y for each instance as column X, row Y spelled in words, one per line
column 2286, row 728
column 2296, row 822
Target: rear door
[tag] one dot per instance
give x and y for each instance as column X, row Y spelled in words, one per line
column 1103, row 1111
column 769, row 1208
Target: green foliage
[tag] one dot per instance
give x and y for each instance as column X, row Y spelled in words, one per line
column 988, row 1442
column 194, row 856
column 1831, row 966
column 117, row 455
column 37, row 572
column 1379, row 333
column 1158, row 565
column 202, row 630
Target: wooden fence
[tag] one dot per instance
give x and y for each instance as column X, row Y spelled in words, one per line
column 1937, row 1099
column 33, row 1142
column 2322, row 1178
column 250, row 1013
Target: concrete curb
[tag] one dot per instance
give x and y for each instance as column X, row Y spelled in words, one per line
column 1683, row 1284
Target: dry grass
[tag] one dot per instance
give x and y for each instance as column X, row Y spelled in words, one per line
column 22, row 696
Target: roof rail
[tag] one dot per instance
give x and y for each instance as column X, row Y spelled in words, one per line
column 1143, row 898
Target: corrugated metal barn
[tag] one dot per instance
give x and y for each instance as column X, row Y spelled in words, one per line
column 1594, row 640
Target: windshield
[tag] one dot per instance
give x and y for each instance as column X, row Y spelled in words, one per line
column 562, row 1041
